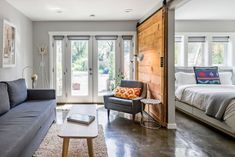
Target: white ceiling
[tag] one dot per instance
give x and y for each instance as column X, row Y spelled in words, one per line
column 207, row 10
column 39, row 10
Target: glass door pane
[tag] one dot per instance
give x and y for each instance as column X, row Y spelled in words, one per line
column 79, row 68
column 59, row 68
column 106, row 66
column 127, row 45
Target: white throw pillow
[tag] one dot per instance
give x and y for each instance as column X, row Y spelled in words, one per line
column 183, row 78
column 225, row 78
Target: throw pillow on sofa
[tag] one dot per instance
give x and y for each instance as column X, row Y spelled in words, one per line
column 127, row 93
column 4, row 99
column 17, row 92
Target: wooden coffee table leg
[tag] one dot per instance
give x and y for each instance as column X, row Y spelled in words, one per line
column 90, row 147
column 65, row 147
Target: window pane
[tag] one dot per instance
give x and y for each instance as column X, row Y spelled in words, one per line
column 178, row 51
column 59, row 69
column 218, row 52
column 106, row 66
column 79, row 51
column 127, row 63
column 195, row 54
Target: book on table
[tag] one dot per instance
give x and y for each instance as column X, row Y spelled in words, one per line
column 81, row 118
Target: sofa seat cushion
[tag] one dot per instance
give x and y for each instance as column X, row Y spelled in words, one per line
column 120, row 101
column 4, row 99
column 17, row 91
column 19, row 125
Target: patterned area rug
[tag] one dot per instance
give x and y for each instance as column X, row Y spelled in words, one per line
column 51, row 146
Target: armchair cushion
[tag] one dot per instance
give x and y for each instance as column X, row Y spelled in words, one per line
column 127, row 93
column 131, row 84
column 120, row 101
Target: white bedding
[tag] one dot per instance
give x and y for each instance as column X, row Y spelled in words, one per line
column 195, row 95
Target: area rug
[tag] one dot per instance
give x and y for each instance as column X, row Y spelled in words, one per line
column 51, row 146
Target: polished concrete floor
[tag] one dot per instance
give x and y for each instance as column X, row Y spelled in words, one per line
column 191, row 139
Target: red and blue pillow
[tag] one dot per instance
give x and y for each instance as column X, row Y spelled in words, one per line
column 207, row 75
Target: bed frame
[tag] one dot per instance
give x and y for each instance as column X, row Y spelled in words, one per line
column 199, row 114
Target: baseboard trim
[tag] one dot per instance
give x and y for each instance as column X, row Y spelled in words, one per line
column 172, row 126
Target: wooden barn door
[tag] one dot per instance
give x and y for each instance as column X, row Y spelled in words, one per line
column 152, row 43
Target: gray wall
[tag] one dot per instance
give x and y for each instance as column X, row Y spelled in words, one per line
column 41, row 36
column 204, row 26
column 23, row 42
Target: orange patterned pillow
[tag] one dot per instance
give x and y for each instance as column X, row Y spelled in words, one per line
column 127, row 93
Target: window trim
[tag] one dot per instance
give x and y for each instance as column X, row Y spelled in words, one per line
column 229, row 61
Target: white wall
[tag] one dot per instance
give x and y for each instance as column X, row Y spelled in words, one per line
column 23, row 42
column 41, row 36
column 204, row 26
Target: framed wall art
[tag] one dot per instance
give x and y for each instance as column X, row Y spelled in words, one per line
column 8, row 54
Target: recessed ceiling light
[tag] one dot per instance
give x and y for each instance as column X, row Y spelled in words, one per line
column 128, row 10
column 59, row 11
column 56, row 9
column 92, row 15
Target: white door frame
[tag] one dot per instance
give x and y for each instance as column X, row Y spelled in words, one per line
column 118, row 61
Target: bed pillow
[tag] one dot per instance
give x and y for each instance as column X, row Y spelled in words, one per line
column 207, row 75
column 226, row 78
column 127, row 93
column 182, row 78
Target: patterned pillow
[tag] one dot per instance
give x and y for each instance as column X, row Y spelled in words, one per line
column 127, row 93
column 207, row 75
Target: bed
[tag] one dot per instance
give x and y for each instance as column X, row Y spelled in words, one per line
column 199, row 101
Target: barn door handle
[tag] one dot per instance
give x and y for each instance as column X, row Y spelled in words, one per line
column 162, row 62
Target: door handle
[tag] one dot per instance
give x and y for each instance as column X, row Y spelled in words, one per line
column 91, row 73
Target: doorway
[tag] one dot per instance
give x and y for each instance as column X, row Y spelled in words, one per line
column 86, row 67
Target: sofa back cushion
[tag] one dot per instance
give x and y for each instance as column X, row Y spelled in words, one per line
column 4, row 99
column 17, row 92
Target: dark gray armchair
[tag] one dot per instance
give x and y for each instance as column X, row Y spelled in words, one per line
column 125, row 105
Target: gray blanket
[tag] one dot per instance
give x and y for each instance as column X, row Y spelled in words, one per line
column 217, row 104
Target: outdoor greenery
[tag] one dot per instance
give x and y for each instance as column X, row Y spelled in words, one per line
column 106, row 57
column 218, row 53
column 79, row 55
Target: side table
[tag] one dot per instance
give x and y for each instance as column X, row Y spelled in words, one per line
column 143, row 122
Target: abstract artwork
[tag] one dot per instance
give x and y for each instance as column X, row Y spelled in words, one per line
column 9, row 40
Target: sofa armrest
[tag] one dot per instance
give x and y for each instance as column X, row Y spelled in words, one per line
column 41, row 94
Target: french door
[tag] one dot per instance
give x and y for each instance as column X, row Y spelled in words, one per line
column 86, row 67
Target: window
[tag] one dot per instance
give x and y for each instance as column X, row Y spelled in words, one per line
column 196, row 50
column 179, row 51
column 219, row 50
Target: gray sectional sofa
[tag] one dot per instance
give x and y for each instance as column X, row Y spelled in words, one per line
column 25, row 117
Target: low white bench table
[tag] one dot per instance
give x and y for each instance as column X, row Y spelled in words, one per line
column 78, row 131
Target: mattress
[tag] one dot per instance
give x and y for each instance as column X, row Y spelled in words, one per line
column 196, row 95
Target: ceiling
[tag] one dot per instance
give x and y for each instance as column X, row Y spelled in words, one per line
column 54, row 10
column 207, row 10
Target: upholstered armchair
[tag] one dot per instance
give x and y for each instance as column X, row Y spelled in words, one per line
column 125, row 105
